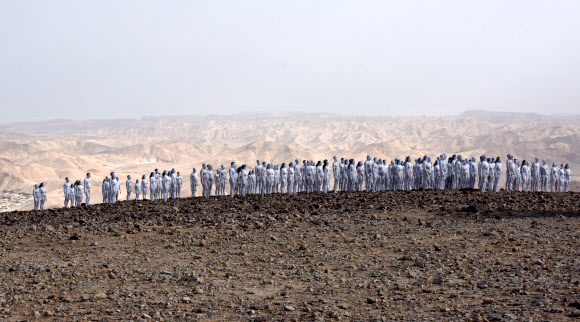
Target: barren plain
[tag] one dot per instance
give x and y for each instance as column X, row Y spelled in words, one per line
column 420, row 255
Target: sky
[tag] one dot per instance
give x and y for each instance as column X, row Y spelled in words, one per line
column 86, row 59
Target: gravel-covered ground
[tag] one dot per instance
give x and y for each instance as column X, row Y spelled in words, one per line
column 450, row 255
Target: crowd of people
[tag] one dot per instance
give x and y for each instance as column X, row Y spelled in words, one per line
column 373, row 174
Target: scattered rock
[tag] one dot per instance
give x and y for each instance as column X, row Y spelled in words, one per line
column 488, row 300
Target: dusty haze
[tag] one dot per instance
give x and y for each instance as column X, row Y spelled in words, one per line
column 34, row 152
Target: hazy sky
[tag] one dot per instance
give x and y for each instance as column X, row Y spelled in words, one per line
column 104, row 59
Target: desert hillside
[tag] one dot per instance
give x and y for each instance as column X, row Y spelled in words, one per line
column 386, row 256
column 34, row 152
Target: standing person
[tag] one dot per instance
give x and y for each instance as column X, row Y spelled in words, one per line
column 193, row 179
column 116, row 189
column 244, row 180
column 144, row 186
column 233, row 178
column 368, row 174
column 544, row 171
column 525, row 170
column 568, row 178
column 36, row 196
column 319, row 177
column 290, row 179
column 436, row 174
column 129, row 187
column 283, row 178
column 42, row 195
column 105, row 190
column 484, row 173
column 201, row 178
column 66, row 187
column 152, row 186
column 498, row 170
column 535, row 174
column 87, row 187
column 297, row 176
column 137, row 189
column 159, row 185
column 78, row 193
column 165, row 185
column 178, row 185
column 326, row 177
column 554, row 177
column 258, row 170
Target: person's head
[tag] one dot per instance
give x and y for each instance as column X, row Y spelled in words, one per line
column 436, row 161
column 88, row 175
column 375, row 159
column 283, row 165
column 41, row 185
column 524, row 162
column 129, row 177
column 179, row 174
column 291, row 165
column 137, row 181
column 543, row 161
column 537, row 159
column 428, row 159
column 233, row 164
column 67, row 179
column 35, row 186
column 151, row 175
column 318, row 164
column 554, row 164
column 156, row 170
column 203, row 166
column 257, row 162
column 368, row 157
column 194, row 170
column 561, row 166
column 567, row 166
column 498, row 160
column 335, row 158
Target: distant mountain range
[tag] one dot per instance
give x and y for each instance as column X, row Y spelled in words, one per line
column 512, row 117
column 33, row 152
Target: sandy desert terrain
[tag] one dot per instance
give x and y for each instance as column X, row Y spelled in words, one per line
column 35, row 152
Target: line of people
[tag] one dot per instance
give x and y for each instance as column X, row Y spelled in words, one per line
column 373, row 174
column 39, row 196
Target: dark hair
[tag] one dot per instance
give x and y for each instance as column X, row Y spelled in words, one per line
column 41, row 185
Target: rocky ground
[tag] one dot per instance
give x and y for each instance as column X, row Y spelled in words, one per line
column 450, row 255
